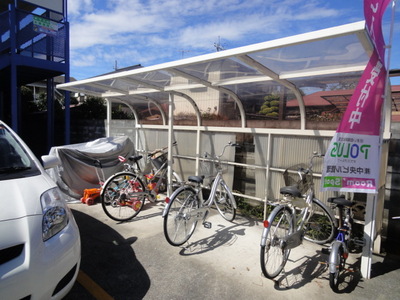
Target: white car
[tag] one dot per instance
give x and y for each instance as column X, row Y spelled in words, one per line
column 40, row 247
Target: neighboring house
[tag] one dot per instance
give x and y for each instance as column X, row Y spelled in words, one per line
column 330, row 105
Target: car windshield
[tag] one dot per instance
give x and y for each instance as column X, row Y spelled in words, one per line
column 13, row 157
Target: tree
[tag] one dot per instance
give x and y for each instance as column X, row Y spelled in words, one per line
column 270, row 107
column 93, row 108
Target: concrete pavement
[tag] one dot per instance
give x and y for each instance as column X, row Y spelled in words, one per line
column 132, row 260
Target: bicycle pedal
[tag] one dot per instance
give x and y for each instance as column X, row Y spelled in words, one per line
column 207, row 225
column 325, row 251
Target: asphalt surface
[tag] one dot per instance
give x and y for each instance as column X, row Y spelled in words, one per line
column 133, row 260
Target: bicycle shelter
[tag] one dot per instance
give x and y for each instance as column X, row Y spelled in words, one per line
column 287, row 94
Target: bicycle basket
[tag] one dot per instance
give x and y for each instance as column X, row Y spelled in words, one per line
column 292, row 178
column 159, row 159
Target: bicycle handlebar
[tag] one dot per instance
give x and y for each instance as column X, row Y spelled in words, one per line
column 302, row 171
column 229, row 144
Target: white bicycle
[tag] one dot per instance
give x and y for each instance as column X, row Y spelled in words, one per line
column 186, row 206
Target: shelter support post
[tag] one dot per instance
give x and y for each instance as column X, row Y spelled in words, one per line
column 198, row 141
column 374, row 217
column 267, row 178
column 109, row 115
column 369, row 235
column 170, row 140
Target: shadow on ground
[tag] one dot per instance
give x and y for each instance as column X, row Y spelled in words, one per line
column 391, row 262
column 313, row 268
column 109, row 260
column 223, row 236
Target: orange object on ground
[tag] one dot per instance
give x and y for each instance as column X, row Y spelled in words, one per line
column 90, row 195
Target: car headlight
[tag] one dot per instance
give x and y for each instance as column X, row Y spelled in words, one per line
column 55, row 213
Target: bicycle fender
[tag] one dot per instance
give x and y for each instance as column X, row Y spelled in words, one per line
column 164, row 213
column 270, row 219
column 230, row 193
column 333, row 263
column 328, row 209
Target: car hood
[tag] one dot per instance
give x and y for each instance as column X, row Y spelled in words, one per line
column 21, row 197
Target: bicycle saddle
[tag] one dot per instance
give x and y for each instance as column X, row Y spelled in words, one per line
column 197, row 179
column 291, row 190
column 135, row 158
column 340, row 201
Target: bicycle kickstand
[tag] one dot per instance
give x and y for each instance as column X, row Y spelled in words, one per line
column 206, row 224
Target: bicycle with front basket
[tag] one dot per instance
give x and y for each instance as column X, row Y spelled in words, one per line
column 297, row 215
column 124, row 193
column 186, row 206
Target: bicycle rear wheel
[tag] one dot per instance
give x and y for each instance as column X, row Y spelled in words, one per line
column 320, row 228
column 179, row 223
column 122, row 196
column 274, row 253
column 335, row 277
column 225, row 202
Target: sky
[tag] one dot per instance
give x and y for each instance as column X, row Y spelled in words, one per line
column 105, row 34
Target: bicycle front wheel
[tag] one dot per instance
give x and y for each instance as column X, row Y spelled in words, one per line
column 335, row 277
column 274, row 253
column 122, row 196
column 320, row 228
column 179, row 223
column 225, row 202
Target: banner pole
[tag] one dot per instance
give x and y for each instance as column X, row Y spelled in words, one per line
column 374, row 205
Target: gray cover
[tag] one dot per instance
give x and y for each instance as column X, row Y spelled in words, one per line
column 80, row 167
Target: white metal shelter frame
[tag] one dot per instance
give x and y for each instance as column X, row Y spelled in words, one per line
column 298, row 65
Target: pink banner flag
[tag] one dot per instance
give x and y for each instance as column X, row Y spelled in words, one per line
column 352, row 160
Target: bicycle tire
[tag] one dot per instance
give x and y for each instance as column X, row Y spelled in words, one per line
column 179, row 224
column 335, row 277
column 321, row 226
column 273, row 254
column 119, row 197
column 225, row 202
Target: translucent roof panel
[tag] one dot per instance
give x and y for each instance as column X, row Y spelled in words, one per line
column 339, row 81
column 243, row 78
column 218, row 71
column 334, row 53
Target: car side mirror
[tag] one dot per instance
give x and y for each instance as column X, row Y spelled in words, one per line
column 50, row 161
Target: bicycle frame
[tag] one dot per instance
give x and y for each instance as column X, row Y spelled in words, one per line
column 205, row 205
column 133, row 167
column 148, row 179
column 202, row 212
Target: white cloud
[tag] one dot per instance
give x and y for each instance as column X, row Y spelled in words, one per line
column 77, row 7
column 153, row 31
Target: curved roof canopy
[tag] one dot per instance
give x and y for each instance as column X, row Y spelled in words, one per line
column 298, row 65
